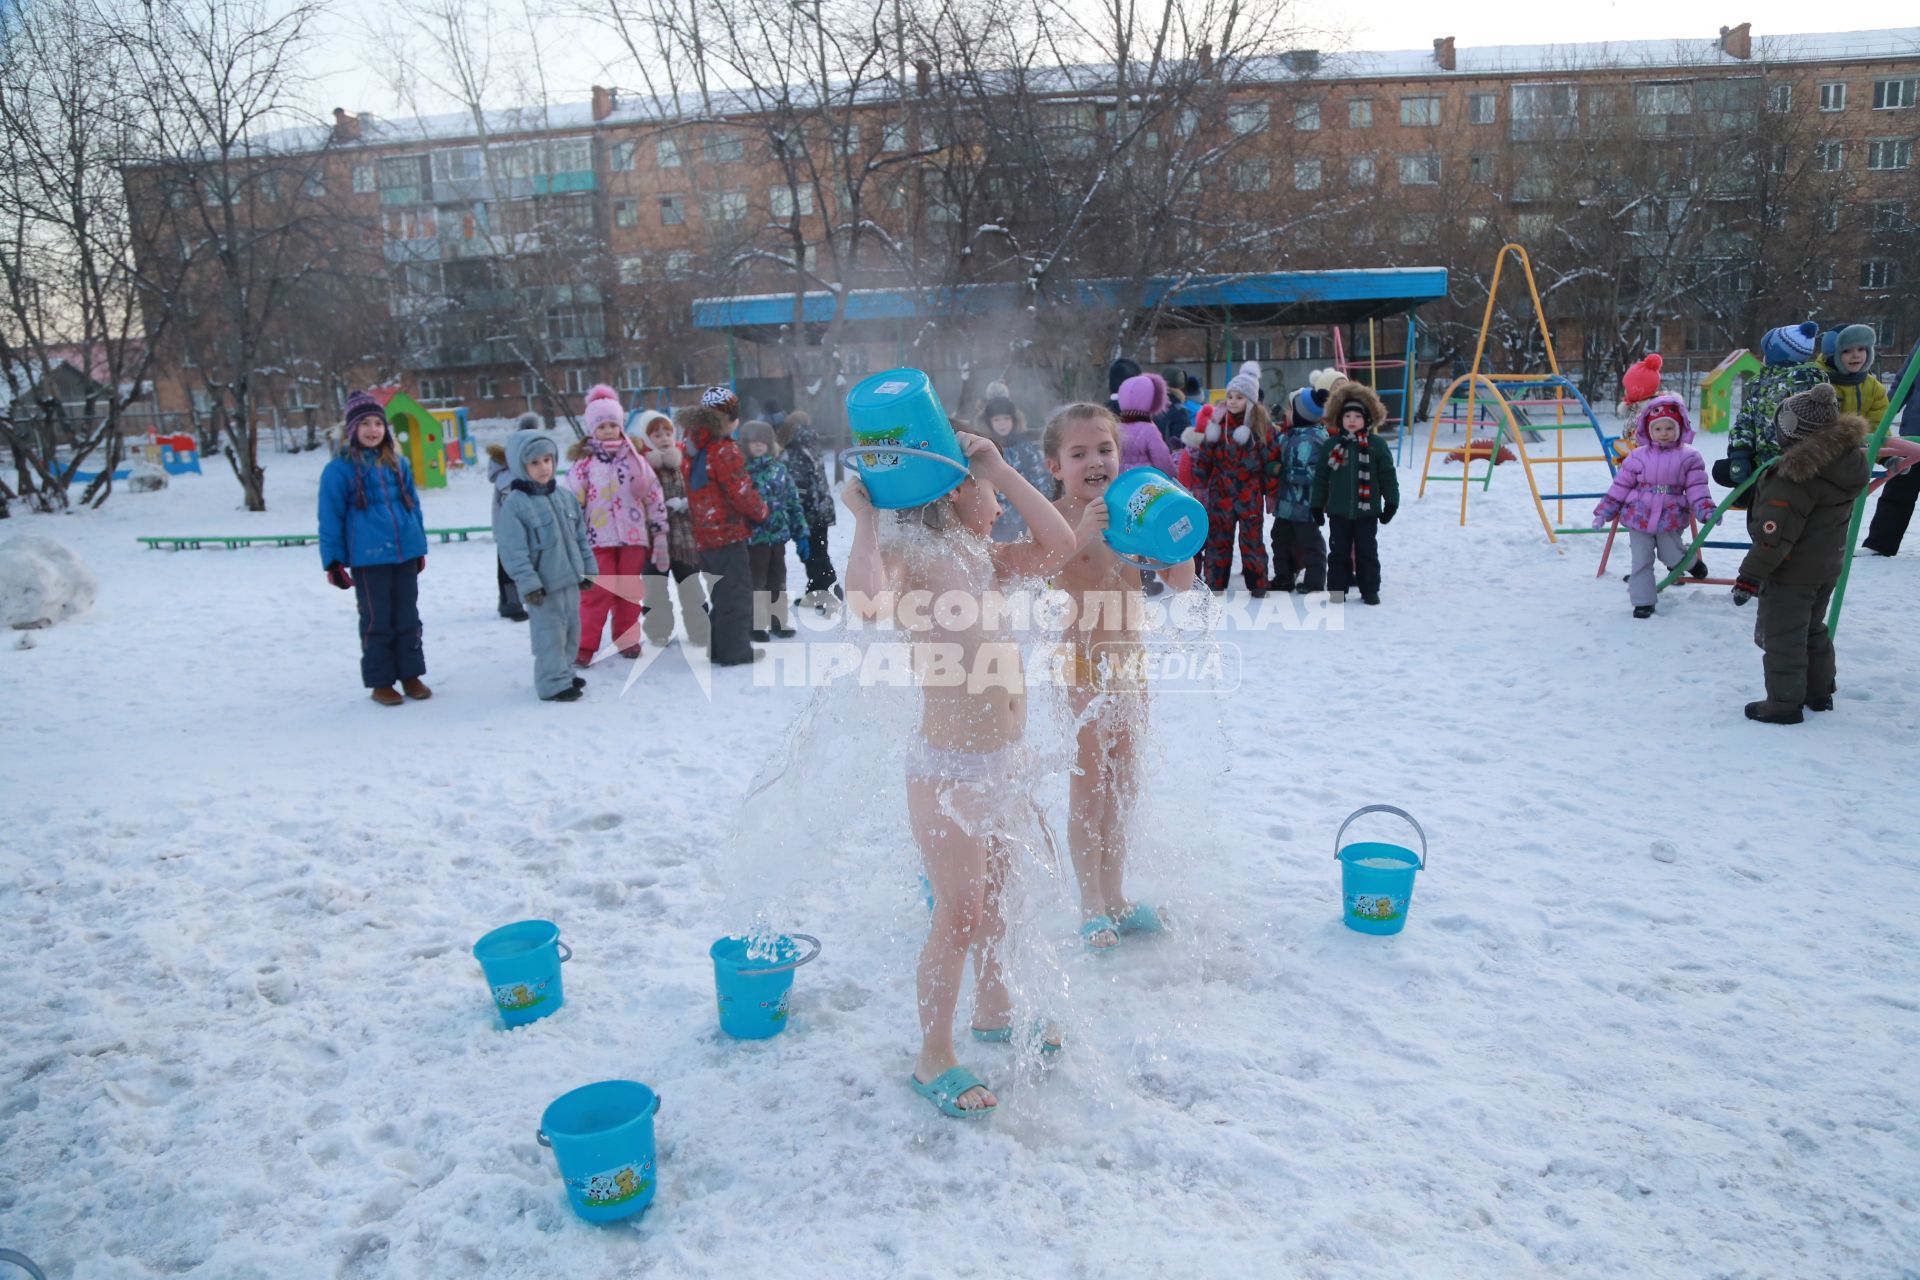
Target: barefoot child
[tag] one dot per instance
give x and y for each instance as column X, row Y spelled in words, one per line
column 965, row 762
column 1102, row 670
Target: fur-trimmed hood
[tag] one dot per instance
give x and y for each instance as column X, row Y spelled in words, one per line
column 1835, row 453
column 1359, row 393
column 667, row 459
column 497, row 453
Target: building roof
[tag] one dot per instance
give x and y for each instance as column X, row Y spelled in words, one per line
column 1270, row 298
column 1470, row 62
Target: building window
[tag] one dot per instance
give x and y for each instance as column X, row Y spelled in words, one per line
column 620, row 156
column 1833, row 96
column 679, row 263
column 314, row 185
column 1421, row 170
column 673, row 211
column 666, row 153
column 781, row 201
column 1542, row 111
column 626, row 213
column 1249, row 175
column 1360, row 170
column 1823, row 279
column 365, row 179
column 575, row 381
column 1478, row 224
column 1663, row 98
column 893, row 137
column 1894, row 95
column 633, row 376
column 1889, row 153
column 1883, row 332
column 1534, row 227
column 1418, row 228
column 436, row 388
column 1876, row 274
column 1829, row 157
column 1482, row 108
column 1480, row 170
column 633, row 268
column 1419, row 112
column 1780, row 98
column 1310, row 346
column 726, row 149
column 1306, row 116
column 572, row 155
column 1243, row 349
column 1247, row 117
column 1360, row 113
column 724, row 206
column 846, row 140
column 1887, row 215
column 486, row 387
column 1306, row 175
column 1830, row 218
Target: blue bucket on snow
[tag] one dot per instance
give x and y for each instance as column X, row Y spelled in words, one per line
column 754, row 992
column 522, row 964
column 904, row 448
column 1376, row 879
column 602, row 1139
column 1152, row 521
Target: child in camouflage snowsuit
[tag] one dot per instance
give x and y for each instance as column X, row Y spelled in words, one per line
column 786, row 522
column 1789, row 353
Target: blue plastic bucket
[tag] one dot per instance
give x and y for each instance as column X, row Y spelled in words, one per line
column 1376, row 879
column 522, row 965
column 903, row 446
column 754, row 992
column 602, row 1139
column 1152, row 521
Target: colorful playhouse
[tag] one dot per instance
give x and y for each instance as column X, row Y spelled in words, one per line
column 1716, row 393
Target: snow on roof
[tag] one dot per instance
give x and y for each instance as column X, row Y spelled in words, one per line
column 1405, row 64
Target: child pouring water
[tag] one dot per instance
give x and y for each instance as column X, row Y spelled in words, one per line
column 964, row 766
column 1653, row 492
column 1103, row 671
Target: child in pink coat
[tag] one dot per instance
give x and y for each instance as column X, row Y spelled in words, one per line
column 626, row 516
column 1141, row 400
column 1656, row 488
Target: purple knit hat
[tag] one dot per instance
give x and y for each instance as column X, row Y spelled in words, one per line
column 361, row 405
column 1142, row 395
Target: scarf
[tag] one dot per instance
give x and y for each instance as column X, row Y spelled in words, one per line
column 537, row 490
column 357, row 458
column 1362, row 466
column 1135, row 415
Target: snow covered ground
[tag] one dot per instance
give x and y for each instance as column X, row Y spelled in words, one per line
column 245, row 1036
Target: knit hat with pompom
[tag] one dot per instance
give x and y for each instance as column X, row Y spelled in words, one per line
column 1642, row 381
column 1815, row 409
column 603, row 405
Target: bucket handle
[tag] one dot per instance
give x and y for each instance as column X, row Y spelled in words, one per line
column 1141, row 562
column 793, row 964
column 566, row 952
column 1383, row 808
column 540, row 1135
column 899, row 450
column 23, row 1262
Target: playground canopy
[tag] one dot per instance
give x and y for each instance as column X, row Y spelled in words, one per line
column 1268, row 298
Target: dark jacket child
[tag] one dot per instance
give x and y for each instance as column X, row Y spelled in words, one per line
column 1233, row 469
column 543, row 542
column 725, row 507
column 1897, row 496
column 1299, row 548
column 1791, row 368
column 786, row 522
column 1354, row 486
column 373, row 542
column 1801, row 508
column 1002, row 422
column 668, row 461
column 801, row 448
column 502, row 480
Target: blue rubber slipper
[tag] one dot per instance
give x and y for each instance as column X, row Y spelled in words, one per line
column 1143, row 918
column 944, row 1091
column 1099, row 924
column 1004, row 1035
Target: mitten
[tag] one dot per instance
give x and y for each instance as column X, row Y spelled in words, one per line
column 1705, row 513
column 337, row 574
column 661, row 557
column 804, row 547
column 537, row 597
column 1242, row 433
column 676, row 504
column 1744, row 589
column 586, row 584
column 1319, row 515
column 1213, row 431
column 1740, row 465
column 1604, row 514
column 1386, row 512
column 420, row 565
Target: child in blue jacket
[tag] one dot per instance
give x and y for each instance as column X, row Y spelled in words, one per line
column 373, row 543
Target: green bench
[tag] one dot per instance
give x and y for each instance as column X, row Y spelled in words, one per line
column 199, row 541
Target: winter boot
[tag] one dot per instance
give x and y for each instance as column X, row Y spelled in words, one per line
column 565, row 695
column 388, row 697
column 1643, row 611
column 760, row 635
column 783, row 632
column 579, row 682
column 1820, row 704
column 416, row 689
column 1369, row 597
column 1774, row 713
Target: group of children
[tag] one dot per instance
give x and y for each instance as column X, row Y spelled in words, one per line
column 1795, row 463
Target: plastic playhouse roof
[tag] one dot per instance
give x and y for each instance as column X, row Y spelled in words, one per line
column 1272, row 298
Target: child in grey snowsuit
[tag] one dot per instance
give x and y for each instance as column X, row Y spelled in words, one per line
column 543, row 545
column 502, row 479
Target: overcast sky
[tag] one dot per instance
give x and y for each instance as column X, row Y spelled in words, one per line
column 347, row 70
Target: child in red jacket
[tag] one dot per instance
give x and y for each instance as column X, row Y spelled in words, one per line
column 724, row 505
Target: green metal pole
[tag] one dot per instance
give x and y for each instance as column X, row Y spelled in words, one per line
column 1894, row 405
column 733, row 378
column 1712, row 521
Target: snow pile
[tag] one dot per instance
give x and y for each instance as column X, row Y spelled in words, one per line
column 42, row 582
